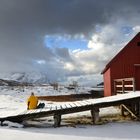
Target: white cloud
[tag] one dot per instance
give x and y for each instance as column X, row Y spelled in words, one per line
column 136, row 28
column 102, row 47
column 69, row 66
column 41, row 62
column 86, row 80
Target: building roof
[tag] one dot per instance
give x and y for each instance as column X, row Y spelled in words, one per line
column 116, row 56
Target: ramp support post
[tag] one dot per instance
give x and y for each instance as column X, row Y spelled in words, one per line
column 122, row 110
column 57, row 120
column 138, row 109
column 1, row 123
column 95, row 115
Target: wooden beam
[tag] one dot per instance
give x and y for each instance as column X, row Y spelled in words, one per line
column 139, row 109
column 115, row 87
column 132, row 114
column 122, row 110
column 134, row 84
column 122, row 84
column 95, row 115
column 57, row 120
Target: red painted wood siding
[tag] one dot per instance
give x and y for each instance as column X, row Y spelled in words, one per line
column 137, row 77
column 123, row 65
column 107, row 83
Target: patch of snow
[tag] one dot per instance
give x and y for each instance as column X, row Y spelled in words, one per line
column 14, row 100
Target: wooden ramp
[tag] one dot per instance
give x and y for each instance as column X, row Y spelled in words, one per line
column 92, row 105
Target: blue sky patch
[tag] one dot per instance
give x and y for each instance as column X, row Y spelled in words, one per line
column 126, row 30
column 65, row 42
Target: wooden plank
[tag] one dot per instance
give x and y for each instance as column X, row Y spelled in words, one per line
column 119, row 86
column 27, row 112
column 92, row 102
column 24, row 112
column 125, row 79
column 128, row 79
column 81, row 103
column 72, row 104
column 129, row 86
column 63, row 106
column 58, row 107
column 45, row 110
column 125, row 91
column 37, row 110
column 87, row 103
column 53, row 108
column 30, row 111
column 68, row 105
column 77, row 104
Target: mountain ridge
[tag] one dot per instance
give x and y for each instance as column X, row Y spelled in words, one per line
column 25, row 77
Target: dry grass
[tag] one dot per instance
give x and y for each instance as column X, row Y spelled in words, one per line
column 80, row 121
column 72, row 97
column 87, row 120
column 66, row 98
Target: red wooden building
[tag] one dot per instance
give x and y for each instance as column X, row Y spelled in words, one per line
column 126, row 64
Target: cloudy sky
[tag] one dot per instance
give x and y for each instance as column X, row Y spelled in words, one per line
column 67, row 39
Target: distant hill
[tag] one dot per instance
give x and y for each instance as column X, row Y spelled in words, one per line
column 100, row 84
column 12, row 83
column 23, row 77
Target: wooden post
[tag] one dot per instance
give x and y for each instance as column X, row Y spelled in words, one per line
column 123, row 91
column 130, row 111
column 95, row 115
column 139, row 110
column 1, row 123
column 114, row 87
column 133, row 107
column 122, row 110
column 57, row 120
column 133, row 83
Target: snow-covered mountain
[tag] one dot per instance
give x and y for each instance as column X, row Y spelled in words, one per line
column 29, row 77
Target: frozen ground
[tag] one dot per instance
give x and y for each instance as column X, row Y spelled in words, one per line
column 14, row 100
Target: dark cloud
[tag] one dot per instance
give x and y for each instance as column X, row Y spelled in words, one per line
column 51, row 16
column 24, row 24
column 63, row 54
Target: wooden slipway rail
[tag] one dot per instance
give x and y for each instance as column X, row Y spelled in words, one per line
column 130, row 100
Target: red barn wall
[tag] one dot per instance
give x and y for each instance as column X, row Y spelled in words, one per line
column 137, row 77
column 123, row 66
column 107, row 83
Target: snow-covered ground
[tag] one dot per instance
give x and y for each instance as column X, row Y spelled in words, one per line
column 111, row 131
column 14, row 100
